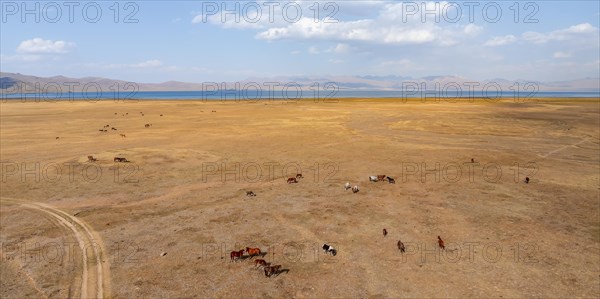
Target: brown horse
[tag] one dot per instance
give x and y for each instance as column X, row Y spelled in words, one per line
column 260, row 262
column 253, row 251
column 401, row 247
column 270, row 270
column 441, row 243
column 235, row 255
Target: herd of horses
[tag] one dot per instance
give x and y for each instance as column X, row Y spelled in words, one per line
column 381, row 177
column 268, row 269
column 372, row 178
column 116, row 159
column 105, row 129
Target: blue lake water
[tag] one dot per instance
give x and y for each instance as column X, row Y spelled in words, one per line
column 253, row 95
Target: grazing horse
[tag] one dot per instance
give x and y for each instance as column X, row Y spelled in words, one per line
column 92, row 159
column 117, row 159
column 270, row 270
column 441, row 243
column 299, row 176
column 355, row 189
column 329, row 249
column 401, row 247
column 235, row 255
column 391, row 180
column 57, row 137
column 472, row 160
column 113, row 128
column 381, row 177
column 384, row 232
column 526, row 180
column 253, row 251
column 373, row 178
column 123, row 135
column 260, row 262
column 147, row 125
column 250, row 193
column 347, row 186
column 292, row 180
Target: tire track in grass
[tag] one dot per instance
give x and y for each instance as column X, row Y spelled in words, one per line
column 95, row 274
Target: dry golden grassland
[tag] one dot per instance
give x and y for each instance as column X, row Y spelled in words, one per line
column 163, row 224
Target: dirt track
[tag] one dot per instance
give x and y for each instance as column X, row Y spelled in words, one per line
column 95, row 275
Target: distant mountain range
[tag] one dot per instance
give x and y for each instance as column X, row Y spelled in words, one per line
column 19, row 83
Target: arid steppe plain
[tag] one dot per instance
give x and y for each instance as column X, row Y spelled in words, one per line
column 163, row 225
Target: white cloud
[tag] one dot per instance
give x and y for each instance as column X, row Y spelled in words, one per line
column 472, row 29
column 336, row 61
column 313, row 50
column 361, row 30
column 295, row 52
column 42, row 46
column 340, row 48
column 560, row 54
column 148, row 64
column 387, row 23
column 584, row 30
column 500, row 41
column 581, row 28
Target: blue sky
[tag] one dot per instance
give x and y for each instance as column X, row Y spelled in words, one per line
column 195, row 41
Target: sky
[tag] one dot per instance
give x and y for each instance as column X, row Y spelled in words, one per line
column 200, row 41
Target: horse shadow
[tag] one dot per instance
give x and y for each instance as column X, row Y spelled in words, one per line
column 261, row 255
column 245, row 257
column 281, row 271
column 250, row 257
column 276, row 273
